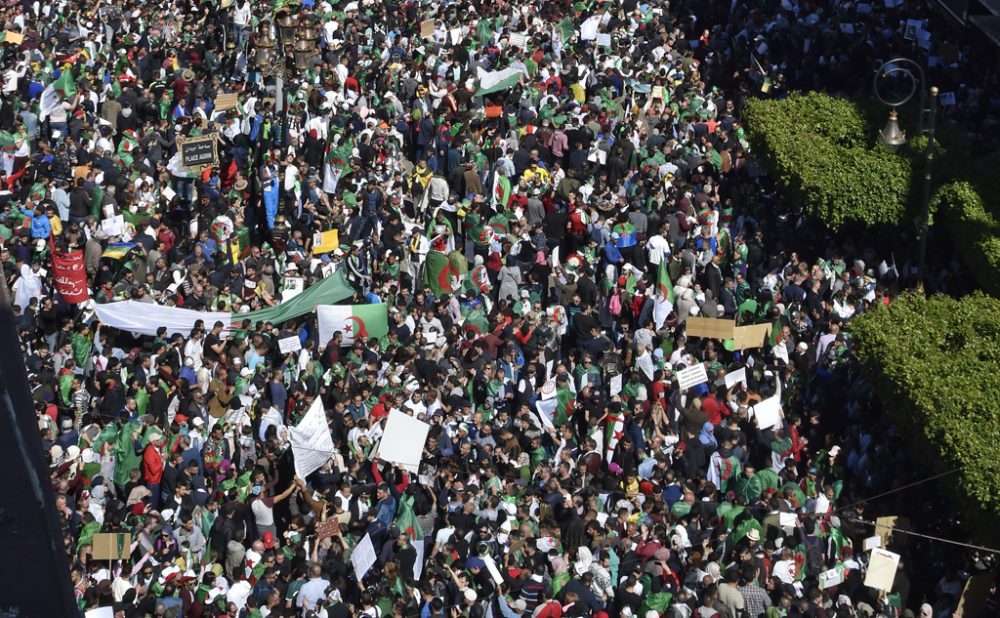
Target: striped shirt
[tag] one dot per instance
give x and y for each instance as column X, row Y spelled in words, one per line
column 755, row 599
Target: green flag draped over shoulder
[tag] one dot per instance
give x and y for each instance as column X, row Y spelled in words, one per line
column 438, row 272
column 126, row 459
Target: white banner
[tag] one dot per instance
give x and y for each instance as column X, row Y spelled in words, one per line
column 145, row 318
column 312, row 444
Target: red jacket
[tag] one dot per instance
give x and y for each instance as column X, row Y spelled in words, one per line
column 152, row 465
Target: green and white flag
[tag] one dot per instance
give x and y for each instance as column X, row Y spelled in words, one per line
column 495, row 81
column 354, row 322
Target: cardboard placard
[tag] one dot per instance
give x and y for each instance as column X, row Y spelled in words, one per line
column 753, row 336
column 14, row 38
column 884, row 527
column 426, row 28
column 111, row 546
column 709, row 328
column 198, row 152
column 882, row 569
column 974, row 595
column 327, row 528
column 518, row 40
column 226, row 101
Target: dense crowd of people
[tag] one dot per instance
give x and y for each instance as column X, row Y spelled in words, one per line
column 543, row 195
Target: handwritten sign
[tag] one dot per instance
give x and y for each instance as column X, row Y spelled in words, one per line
column 692, row 376
column 882, row 569
column 289, row 344
column 326, row 529
column 363, row 557
column 226, row 101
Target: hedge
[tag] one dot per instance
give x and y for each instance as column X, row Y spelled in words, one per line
column 822, row 151
column 974, row 231
column 935, row 363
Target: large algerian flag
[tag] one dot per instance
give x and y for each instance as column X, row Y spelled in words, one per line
column 337, row 164
column 501, row 190
column 55, row 93
column 495, row 81
column 355, row 322
column 438, row 272
column 665, row 297
column 406, row 522
column 145, row 318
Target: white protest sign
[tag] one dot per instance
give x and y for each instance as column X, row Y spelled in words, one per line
column 312, row 445
column 588, row 29
column 736, row 377
column 873, row 542
column 616, row 385
column 787, row 520
column 604, row 40
column 289, row 344
column 692, row 376
column 115, row 226
column 828, row 579
column 780, row 352
column 456, row 35
column 403, row 440
column 518, row 40
column 292, row 288
column 100, row 612
column 491, row 566
column 768, row 412
column 882, row 569
column 363, row 557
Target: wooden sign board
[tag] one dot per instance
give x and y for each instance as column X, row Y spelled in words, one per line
column 711, row 328
column 750, row 336
column 111, row 546
column 226, row 101
column 197, row 153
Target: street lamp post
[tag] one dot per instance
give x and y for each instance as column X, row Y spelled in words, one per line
column 891, row 137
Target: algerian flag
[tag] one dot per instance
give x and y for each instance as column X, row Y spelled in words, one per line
column 495, row 81
column 144, row 318
column 354, row 322
column 665, row 297
column 501, row 190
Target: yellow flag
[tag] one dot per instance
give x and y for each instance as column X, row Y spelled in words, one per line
column 325, row 242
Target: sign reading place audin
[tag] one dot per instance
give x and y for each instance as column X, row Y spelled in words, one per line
column 198, row 151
